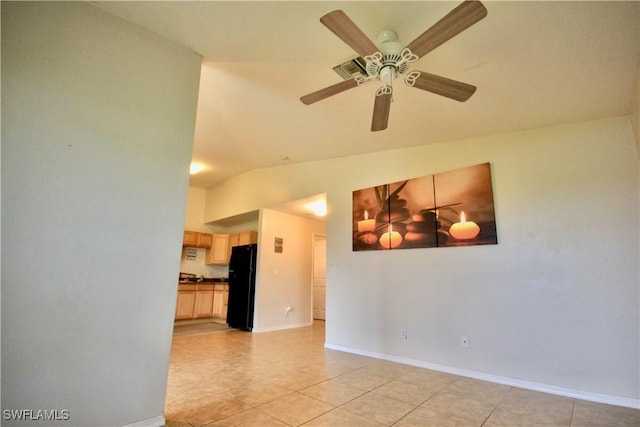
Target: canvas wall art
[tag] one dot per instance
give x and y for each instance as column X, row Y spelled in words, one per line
column 453, row 208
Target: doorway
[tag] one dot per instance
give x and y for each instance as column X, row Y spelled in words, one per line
column 319, row 276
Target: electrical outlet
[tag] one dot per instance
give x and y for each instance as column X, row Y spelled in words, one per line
column 464, row 341
column 403, row 334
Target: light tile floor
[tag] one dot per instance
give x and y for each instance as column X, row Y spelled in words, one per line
column 288, row 378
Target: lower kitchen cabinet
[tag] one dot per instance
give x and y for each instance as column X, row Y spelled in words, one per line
column 186, row 301
column 199, row 301
column 203, row 305
column 220, row 300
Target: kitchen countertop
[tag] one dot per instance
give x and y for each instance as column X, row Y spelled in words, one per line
column 205, row 280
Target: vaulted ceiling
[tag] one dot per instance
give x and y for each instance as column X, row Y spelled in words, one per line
column 535, row 64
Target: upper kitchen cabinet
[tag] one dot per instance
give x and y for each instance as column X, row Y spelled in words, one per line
column 240, row 239
column 244, row 238
column 190, row 238
column 197, row 240
column 220, row 252
column 205, row 240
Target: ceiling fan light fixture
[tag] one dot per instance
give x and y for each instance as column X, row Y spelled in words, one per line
column 389, row 44
column 387, row 73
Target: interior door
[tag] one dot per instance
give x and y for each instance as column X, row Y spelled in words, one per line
column 319, row 276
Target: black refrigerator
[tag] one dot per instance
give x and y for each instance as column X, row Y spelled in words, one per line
column 242, row 285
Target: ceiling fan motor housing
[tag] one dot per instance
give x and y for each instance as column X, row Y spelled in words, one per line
column 388, row 63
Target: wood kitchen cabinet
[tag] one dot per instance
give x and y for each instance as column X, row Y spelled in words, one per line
column 219, row 251
column 247, row 237
column 205, row 240
column 240, row 239
column 243, row 238
column 186, row 301
column 197, row 240
column 203, row 305
column 190, row 238
column 195, row 301
column 220, row 300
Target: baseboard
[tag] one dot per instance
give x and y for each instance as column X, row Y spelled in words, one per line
column 282, row 327
column 545, row 388
column 158, row 421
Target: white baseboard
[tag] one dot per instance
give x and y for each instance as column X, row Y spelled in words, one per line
column 282, row 327
column 158, row 421
column 545, row 388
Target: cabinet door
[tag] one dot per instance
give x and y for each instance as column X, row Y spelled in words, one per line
column 190, row 238
column 203, row 304
column 185, row 304
column 247, row 237
column 240, row 239
column 218, row 303
column 218, row 254
column 233, row 239
column 205, row 240
column 225, row 300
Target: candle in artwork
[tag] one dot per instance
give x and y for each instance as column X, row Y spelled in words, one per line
column 464, row 229
column 391, row 239
column 366, row 224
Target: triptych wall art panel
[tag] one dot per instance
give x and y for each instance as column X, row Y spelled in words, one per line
column 453, row 208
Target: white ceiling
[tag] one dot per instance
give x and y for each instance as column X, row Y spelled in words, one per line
column 535, row 64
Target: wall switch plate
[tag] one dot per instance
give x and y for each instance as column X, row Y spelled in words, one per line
column 403, row 334
column 464, row 341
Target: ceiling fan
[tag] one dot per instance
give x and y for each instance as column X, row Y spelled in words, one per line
column 391, row 59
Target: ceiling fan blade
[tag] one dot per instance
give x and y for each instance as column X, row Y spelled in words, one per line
column 455, row 22
column 328, row 91
column 340, row 24
column 381, row 112
column 443, row 86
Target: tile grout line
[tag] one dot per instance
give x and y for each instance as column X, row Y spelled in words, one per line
column 573, row 408
column 426, row 400
column 496, row 406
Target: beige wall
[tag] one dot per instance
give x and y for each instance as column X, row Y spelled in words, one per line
column 194, row 212
column 562, row 281
column 285, row 279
